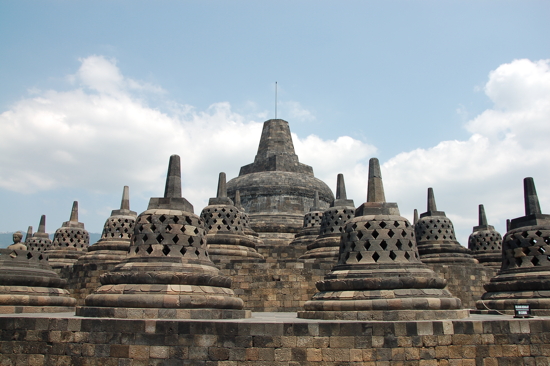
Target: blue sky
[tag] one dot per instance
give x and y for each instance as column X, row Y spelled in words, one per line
column 96, row 95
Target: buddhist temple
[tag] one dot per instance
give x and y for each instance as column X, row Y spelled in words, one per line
column 40, row 240
column 379, row 275
column 485, row 242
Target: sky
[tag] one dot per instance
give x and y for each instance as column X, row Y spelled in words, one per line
column 453, row 95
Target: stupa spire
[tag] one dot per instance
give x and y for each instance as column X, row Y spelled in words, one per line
column 431, row 200
column 42, row 225
column 375, row 187
column 415, row 216
column 222, row 187
column 74, row 212
column 238, row 199
column 482, row 217
column 173, row 178
column 341, row 187
column 125, row 203
column 532, row 206
column 29, row 234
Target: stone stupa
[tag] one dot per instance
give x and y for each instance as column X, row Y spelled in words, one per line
column 311, row 226
column 524, row 278
column 28, row 284
column 379, row 275
column 276, row 189
column 40, row 241
column 436, row 239
column 327, row 245
column 70, row 242
column 485, row 242
column 116, row 236
column 168, row 273
column 224, row 229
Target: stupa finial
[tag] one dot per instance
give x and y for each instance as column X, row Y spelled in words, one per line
column 482, row 217
column 29, row 233
column 316, row 199
column 222, row 187
column 375, row 187
column 125, row 203
column 415, row 216
column 42, row 225
column 532, row 206
column 74, row 212
column 173, row 178
column 341, row 187
column 431, row 200
column 238, row 199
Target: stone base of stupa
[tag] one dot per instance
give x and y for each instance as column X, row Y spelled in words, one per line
column 323, row 247
column 9, row 309
column 161, row 313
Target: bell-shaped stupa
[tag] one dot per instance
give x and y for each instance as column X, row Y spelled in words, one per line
column 168, row 273
column 40, row 240
column 327, row 244
column 379, row 275
column 436, row 240
column 485, row 242
column 311, row 226
column 116, row 236
column 224, row 229
column 28, row 284
column 70, row 242
column 276, row 189
column 524, row 278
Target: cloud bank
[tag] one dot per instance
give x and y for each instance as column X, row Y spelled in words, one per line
column 102, row 134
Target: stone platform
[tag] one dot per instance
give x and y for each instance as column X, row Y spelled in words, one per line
column 274, row 339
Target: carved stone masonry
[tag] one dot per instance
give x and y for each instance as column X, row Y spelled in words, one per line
column 311, row 227
column 485, row 242
column 524, row 277
column 168, row 272
column 40, row 241
column 379, row 275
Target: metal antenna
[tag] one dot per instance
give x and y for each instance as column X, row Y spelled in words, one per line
column 275, row 100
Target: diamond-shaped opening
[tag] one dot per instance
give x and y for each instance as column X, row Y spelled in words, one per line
column 159, row 238
column 547, row 240
column 399, row 245
column 40, row 257
column 391, row 233
column 393, row 255
column 197, row 252
column 368, row 225
column 224, row 221
column 518, row 262
column 168, row 228
column 359, row 256
column 352, row 246
column 403, row 233
column 359, row 235
column 150, row 249
column 535, row 261
column 188, row 219
column 175, row 239
column 196, row 231
column 407, row 256
column 525, row 251
column 166, row 250
column 148, row 218
column 29, row 255
column 183, row 250
column 190, row 240
column 367, row 245
column 541, row 250
column 396, row 223
column 136, row 250
column 525, row 234
column 383, row 245
column 145, row 238
column 538, row 233
column 354, row 226
column 223, row 209
column 376, row 256
column 436, row 237
column 382, row 224
column 375, row 234
column 533, row 241
column 153, row 227
column 162, row 218
column 219, row 227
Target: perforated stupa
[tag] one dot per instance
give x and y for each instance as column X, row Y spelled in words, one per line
column 436, row 239
column 485, row 242
column 379, row 275
column 168, row 273
column 524, row 278
column 40, row 240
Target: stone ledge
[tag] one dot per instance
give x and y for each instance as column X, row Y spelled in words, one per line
column 161, row 313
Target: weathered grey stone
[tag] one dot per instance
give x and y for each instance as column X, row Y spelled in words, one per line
column 524, row 277
column 379, row 270
column 277, row 190
column 485, row 242
column 327, row 245
column 436, row 240
column 167, row 267
column 40, row 241
column 224, row 229
column 311, row 227
column 70, row 242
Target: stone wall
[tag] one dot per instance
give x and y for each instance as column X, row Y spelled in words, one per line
column 105, row 342
column 83, row 279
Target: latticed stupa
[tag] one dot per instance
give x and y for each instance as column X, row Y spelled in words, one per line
column 276, row 189
column 28, row 284
column 40, row 240
column 524, row 277
column 311, row 226
column 70, row 242
column 485, row 242
column 435, row 237
column 379, row 275
column 168, row 273
column 115, row 238
column 224, row 228
column 327, row 244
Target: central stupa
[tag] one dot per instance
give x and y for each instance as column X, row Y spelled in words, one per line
column 276, row 189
